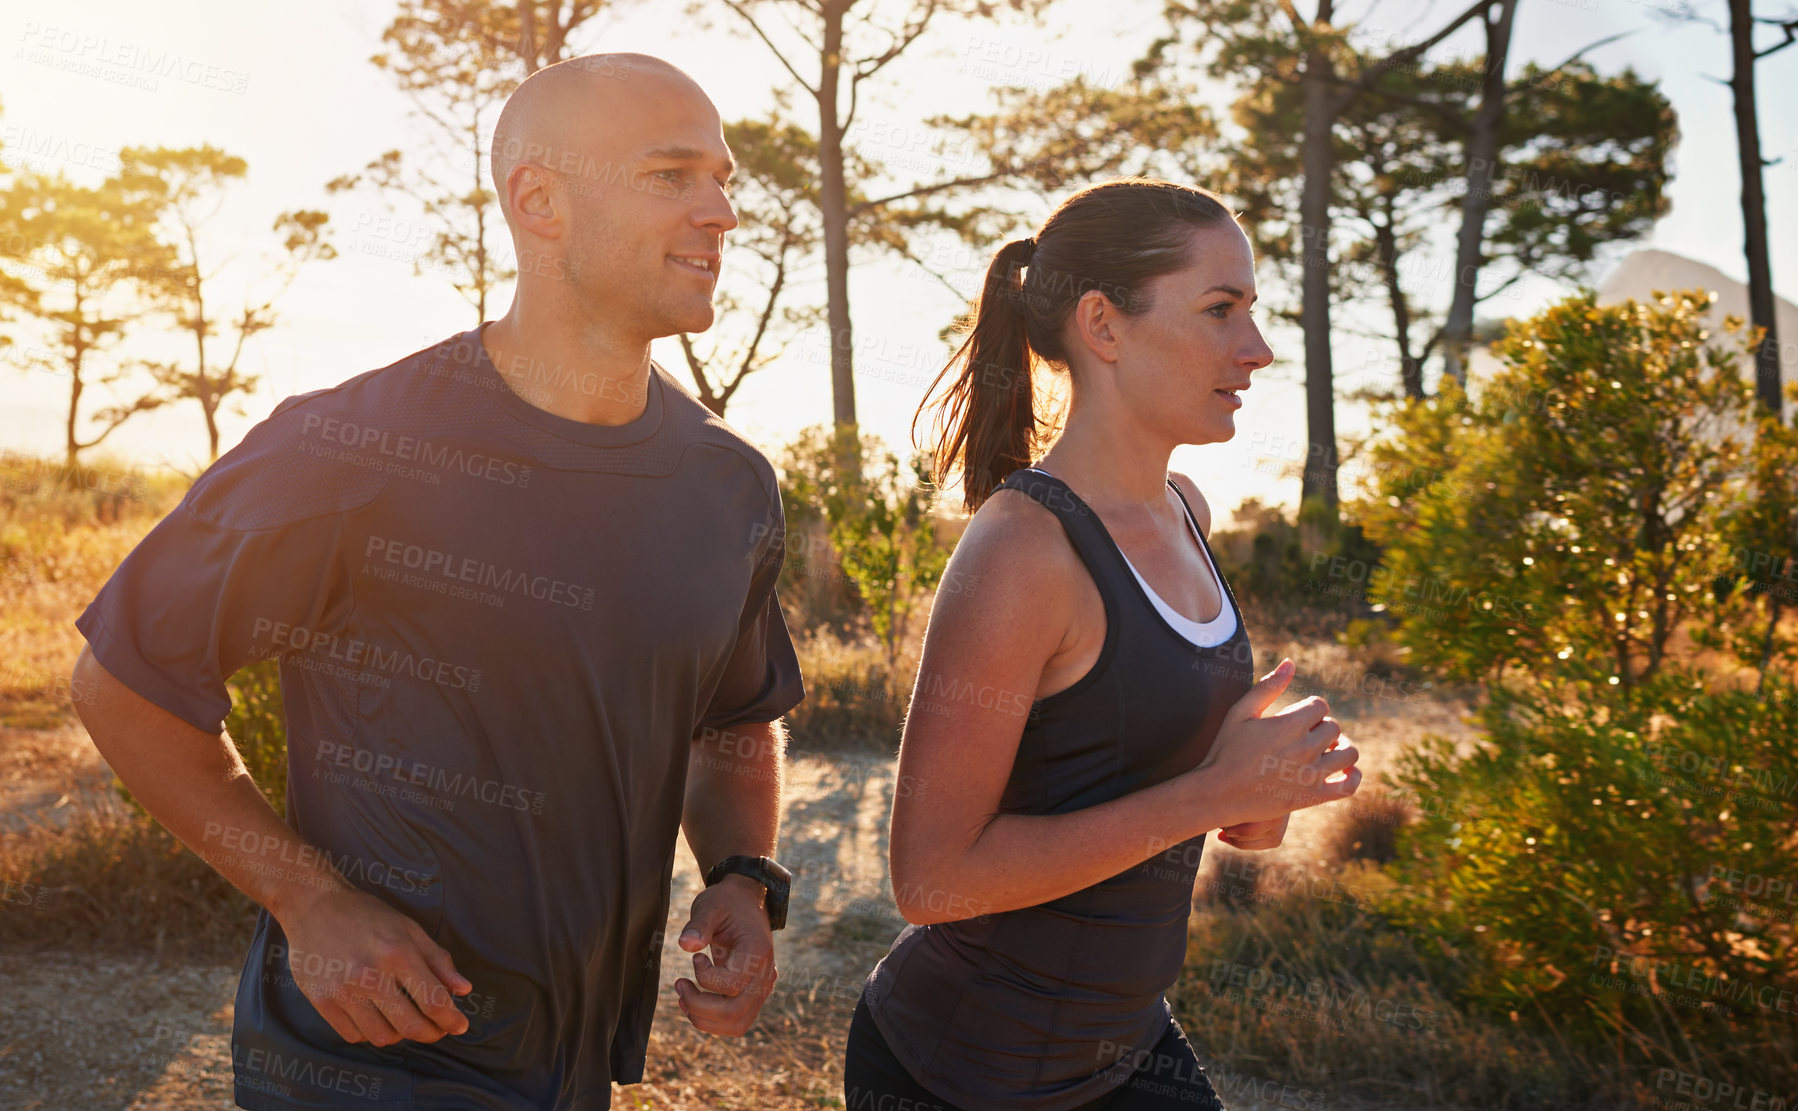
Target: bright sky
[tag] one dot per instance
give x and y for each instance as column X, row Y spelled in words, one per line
column 295, row 96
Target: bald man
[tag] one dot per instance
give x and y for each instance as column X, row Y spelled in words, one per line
column 521, row 587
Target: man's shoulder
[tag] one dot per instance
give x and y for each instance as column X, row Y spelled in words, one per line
column 311, row 455
column 372, row 392
column 697, row 424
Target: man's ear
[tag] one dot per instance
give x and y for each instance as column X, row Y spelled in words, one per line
column 535, row 206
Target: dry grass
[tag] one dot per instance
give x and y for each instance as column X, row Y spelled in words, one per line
column 107, row 879
column 1311, row 988
column 61, row 535
column 855, row 699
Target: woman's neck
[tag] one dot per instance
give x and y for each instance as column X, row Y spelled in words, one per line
column 1115, row 474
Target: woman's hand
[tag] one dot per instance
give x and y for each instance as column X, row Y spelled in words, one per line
column 1263, row 766
column 1255, row 835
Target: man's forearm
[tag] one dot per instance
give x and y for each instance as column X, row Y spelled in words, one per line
column 732, row 803
column 194, row 783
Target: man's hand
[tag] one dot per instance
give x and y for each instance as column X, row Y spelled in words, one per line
column 370, row 971
column 730, row 917
column 1255, row 835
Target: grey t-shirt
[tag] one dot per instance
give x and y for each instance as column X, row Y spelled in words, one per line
column 499, row 631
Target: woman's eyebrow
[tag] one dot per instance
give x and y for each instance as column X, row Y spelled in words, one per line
column 1232, row 291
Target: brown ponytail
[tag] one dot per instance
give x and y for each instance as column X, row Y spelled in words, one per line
column 1111, row 237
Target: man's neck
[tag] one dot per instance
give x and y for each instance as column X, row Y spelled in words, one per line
column 587, row 376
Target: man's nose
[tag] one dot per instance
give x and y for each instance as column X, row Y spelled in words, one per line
column 716, row 212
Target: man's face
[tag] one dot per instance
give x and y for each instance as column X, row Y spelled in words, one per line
column 648, row 211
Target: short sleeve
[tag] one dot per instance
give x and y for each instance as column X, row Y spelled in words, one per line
column 761, row 681
column 245, row 564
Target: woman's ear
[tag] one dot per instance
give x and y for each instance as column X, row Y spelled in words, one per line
column 1093, row 325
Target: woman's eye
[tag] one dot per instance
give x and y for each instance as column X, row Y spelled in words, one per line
column 672, row 175
column 1220, row 310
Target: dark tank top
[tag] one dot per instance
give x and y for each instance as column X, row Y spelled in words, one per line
column 1044, row 1007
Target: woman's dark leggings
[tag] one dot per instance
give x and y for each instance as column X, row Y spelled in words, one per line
column 1169, row 1077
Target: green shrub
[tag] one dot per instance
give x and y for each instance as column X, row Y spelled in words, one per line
column 1570, row 516
column 1632, row 880
column 259, row 726
column 1283, row 565
column 875, row 511
column 1612, row 865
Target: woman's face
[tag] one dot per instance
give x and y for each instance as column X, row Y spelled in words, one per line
column 1181, row 366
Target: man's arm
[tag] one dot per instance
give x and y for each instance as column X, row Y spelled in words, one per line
column 350, row 953
column 732, row 807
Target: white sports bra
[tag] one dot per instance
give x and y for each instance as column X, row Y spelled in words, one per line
column 1204, row 634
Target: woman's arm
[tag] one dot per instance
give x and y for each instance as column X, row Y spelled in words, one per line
column 953, row 855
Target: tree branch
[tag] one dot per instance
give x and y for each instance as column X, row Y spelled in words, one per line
column 741, row 9
column 1789, row 26
column 1409, row 53
column 902, row 39
column 1575, row 56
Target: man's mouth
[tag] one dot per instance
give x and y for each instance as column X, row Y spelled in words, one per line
column 704, row 264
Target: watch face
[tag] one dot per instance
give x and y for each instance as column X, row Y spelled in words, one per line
column 777, row 882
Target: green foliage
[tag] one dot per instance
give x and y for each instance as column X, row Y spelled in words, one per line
column 259, row 726
column 1613, row 863
column 877, row 517
column 1566, row 518
column 1286, row 566
column 1620, row 867
column 1760, row 537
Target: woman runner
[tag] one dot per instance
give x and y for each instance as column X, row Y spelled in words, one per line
column 1085, row 710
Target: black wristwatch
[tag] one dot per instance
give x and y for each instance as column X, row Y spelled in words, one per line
column 766, row 871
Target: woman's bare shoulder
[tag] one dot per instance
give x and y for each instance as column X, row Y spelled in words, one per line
column 1014, row 564
column 1201, row 509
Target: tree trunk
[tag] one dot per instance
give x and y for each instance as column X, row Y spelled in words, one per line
column 1754, row 206
column 1482, row 154
column 481, row 271
column 1319, row 479
column 834, row 201
column 1410, row 369
column 71, row 447
column 212, row 430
